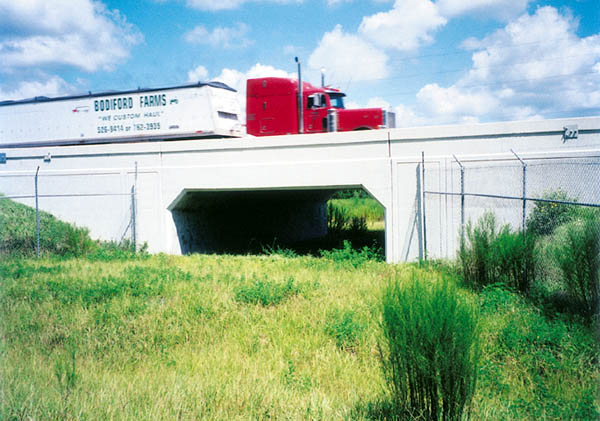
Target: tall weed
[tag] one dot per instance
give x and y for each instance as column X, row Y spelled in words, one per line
column 342, row 218
column 430, row 349
column 578, row 255
column 490, row 254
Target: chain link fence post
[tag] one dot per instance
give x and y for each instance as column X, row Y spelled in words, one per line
column 524, row 215
column 37, row 215
column 134, row 209
column 524, row 189
column 424, row 201
column 462, row 199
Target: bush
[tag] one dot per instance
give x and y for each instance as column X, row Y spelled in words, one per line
column 345, row 327
column 430, row 349
column 489, row 255
column 578, row 255
column 475, row 251
column 353, row 257
column 545, row 217
column 515, row 259
column 338, row 218
column 266, row 293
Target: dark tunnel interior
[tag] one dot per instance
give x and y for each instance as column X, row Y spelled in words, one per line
column 243, row 220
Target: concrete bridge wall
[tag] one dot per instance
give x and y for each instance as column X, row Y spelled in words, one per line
column 186, row 187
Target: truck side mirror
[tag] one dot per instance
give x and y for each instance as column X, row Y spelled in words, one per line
column 315, row 101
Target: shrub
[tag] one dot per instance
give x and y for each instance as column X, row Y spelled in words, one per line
column 124, row 250
column 345, row 327
column 545, row 217
column 475, row 250
column 513, row 254
column 338, row 218
column 489, row 255
column 266, row 293
column 578, row 255
column 358, row 225
column 430, row 349
column 277, row 250
column 353, row 257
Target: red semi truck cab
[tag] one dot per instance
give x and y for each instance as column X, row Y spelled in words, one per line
column 272, row 109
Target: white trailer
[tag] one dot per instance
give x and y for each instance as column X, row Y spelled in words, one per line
column 181, row 112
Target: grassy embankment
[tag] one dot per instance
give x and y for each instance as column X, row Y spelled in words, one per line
column 255, row 337
column 246, row 337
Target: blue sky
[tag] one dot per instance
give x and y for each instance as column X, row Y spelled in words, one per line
column 433, row 62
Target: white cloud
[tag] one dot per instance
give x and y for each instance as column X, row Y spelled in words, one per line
column 198, row 74
column 83, row 34
column 503, row 9
column 410, row 24
column 50, row 87
column 534, row 67
column 455, row 105
column 213, row 5
column 377, row 102
column 533, row 47
column 541, row 57
column 332, row 3
column 348, row 57
column 226, row 37
column 407, row 117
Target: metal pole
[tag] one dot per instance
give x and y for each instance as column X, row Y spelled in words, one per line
column 37, row 214
column 424, row 200
column 524, row 165
column 134, row 208
column 462, row 199
column 300, row 107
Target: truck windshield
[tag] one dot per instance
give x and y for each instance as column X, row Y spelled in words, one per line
column 337, row 99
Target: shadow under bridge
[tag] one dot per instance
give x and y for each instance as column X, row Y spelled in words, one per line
column 242, row 221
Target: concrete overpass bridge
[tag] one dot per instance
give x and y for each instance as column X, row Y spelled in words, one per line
column 207, row 195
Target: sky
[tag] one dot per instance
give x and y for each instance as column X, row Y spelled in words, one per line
column 431, row 61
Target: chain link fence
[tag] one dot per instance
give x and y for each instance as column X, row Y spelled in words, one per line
column 456, row 191
column 126, row 201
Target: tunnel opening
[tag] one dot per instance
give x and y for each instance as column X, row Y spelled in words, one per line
column 304, row 221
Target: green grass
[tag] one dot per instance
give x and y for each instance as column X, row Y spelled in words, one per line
column 366, row 207
column 18, row 237
column 242, row 337
column 18, row 233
